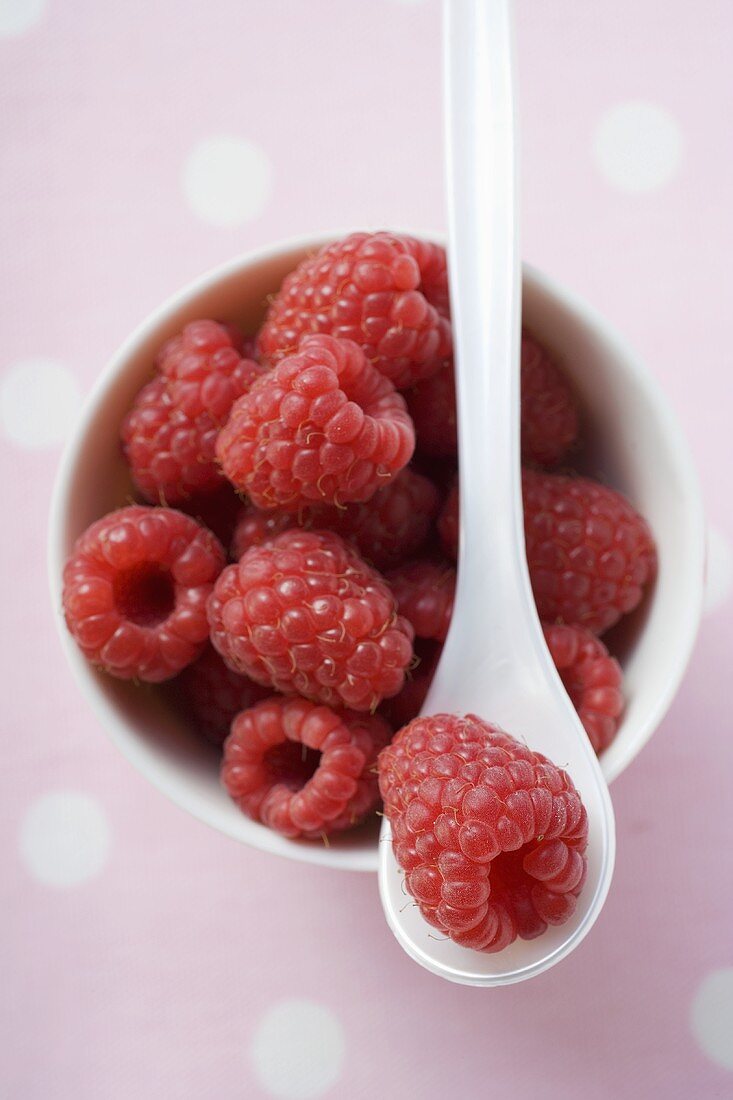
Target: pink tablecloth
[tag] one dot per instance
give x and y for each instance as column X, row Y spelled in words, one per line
column 144, row 955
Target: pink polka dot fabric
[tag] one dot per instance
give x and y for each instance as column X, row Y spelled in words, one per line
column 142, row 954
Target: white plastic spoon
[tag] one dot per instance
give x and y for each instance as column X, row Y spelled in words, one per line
column 495, row 662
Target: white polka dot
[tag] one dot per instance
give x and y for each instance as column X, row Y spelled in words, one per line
column 718, row 570
column 711, row 1017
column 18, row 16
column 39, row 401
column 298, row 1050
column 227, row 180
column 637, row 146
column 64, row 838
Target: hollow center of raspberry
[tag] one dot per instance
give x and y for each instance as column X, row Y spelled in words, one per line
column 511, row 886
column 144, row 594
column 291, row 763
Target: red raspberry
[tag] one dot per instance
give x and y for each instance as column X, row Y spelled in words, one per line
column 386, row 530
column 135, row 591
column 375, row 289
column 424, row 591
column 590, row 553
column 169, row 435
column 304, row 613
column 205, row 370
column 549, row 411
column 324, row 425
column 407, row 705
column 491, row 836
column 302, row 769
column 432, row 406
column 448, row 528
column 592, row 679
column 212, row 695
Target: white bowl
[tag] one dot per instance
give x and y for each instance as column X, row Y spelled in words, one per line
column 636, row 446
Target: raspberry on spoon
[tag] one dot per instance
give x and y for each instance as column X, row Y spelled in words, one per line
column 491, row 836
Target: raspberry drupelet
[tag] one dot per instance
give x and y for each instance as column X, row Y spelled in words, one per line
column 302, row 769
column 386, row 530
column 549, row 418
column 169, row 435
column 304, row 613
column 424, row 591
column 323, row 426
column 592, row 678
column 382, row 290
column 491, row 835
column 135, row 591
column 590, row 553
column 213, row 694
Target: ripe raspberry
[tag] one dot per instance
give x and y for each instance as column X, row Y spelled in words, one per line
column 135, row 591
column 302, row 769
column 590, row 553
column 424, row 591
column 491, row 836
column 386, row 530
column 407, row 705
column 304, row 613
column 375, row 289
column 324, row 426
column 212, row 695
column 448, row 528
column 432, row 406
column 169, row 435
column 549, row 409
column 592, row 679
column 549, row 413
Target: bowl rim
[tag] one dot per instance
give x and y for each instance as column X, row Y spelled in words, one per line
column 363, row 857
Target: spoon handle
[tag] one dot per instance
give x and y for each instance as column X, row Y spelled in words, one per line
column 485, row 285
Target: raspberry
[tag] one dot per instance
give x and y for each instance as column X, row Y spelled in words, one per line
column 135, row 591
column 549, row 412
column 375, row 289
column 407, row 705
column 592, row 679
column 590, row 553
column 424, row 591
column 432, row 406
column 324, row 425
column 305, row 613
column 213, row 694
column 169, row 435
column 302, row 769
column 491, row 836
column 448, row 528
column 386, row 530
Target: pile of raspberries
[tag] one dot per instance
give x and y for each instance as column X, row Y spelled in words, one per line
column 290, row 567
